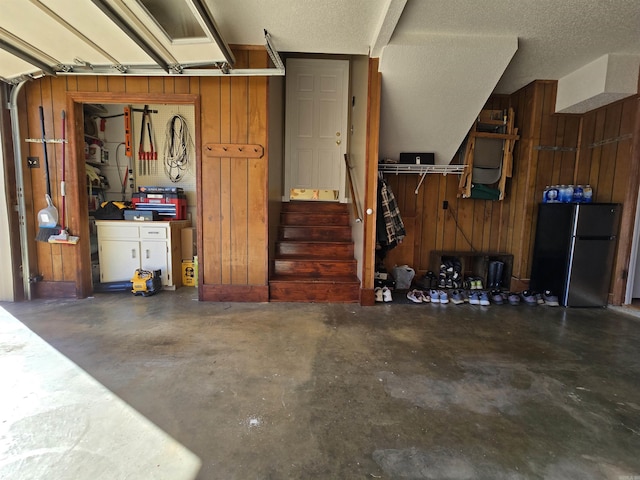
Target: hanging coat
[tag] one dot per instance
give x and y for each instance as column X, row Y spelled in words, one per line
column 390, row 229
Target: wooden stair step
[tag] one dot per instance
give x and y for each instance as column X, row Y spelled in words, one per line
column 316, row 207
column 291, row 288
column 314, row 219
column 316, row 267
column 284, row 249
column 297, row 232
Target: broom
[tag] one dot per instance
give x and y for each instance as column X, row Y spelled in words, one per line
column 48, row 216
column 63, row 236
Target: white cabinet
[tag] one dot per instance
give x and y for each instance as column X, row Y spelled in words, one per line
column 124, row 246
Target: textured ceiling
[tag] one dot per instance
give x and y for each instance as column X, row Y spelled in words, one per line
column 555, row 37
column 310, row 26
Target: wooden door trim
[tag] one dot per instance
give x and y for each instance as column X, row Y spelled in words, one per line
column 77, row 203
column 371, row 183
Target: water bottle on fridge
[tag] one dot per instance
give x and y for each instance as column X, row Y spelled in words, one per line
column 587, row 194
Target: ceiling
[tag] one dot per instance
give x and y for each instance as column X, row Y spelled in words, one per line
column 440, row 59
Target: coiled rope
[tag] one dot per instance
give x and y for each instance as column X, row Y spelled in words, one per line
column 177, row 144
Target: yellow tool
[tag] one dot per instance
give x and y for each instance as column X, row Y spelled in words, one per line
column 145, row 282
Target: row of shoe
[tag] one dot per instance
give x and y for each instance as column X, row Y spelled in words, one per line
column 449, row 278
column 483, row 297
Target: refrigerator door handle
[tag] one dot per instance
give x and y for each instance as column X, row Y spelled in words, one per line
column 585, row 237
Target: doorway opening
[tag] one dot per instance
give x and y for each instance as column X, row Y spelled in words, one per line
column 114, row 162
column 316, row 129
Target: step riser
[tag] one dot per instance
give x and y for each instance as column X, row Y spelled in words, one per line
column 339, row 234
column 313, row 268
column 313, row 219
column 319, row 293
column 323, row 250
column 315, row 207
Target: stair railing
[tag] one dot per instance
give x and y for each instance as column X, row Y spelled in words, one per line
column 355, row 200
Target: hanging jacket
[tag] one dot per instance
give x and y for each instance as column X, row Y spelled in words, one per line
column 390, row 229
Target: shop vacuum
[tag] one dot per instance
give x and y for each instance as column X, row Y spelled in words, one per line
column 144, row 282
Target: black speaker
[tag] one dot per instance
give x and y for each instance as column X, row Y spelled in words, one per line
column 418, row 158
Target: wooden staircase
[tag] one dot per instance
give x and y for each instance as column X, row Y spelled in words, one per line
column 314, row 259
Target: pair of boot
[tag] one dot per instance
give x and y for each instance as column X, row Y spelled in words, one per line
column 494, row 275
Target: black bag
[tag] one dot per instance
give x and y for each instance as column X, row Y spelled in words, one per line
column 112, row 210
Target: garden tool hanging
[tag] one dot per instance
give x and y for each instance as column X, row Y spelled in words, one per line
column 147, row 159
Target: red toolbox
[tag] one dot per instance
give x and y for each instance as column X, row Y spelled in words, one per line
column 172, row 206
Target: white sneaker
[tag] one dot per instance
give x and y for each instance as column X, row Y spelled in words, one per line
column 386, row 295
column 426, row 298
column 415, row 296
column 378, row 293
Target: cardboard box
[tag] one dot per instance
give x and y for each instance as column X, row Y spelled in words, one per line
column 188, row 242
column 189, row 278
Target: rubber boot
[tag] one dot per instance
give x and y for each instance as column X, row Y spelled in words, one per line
column 498, row 274
column 491, row 275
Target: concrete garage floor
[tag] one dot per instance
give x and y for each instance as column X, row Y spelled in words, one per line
column 297, row 391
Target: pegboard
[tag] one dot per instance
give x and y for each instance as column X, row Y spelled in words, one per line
column 153, row 173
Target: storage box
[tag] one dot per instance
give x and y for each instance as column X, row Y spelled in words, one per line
column 189, row 278
column 141, row 215
column 171, row 206
column 425, row 158
column 188, row 240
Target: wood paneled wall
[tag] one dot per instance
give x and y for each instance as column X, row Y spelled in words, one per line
column 234, row 190
column 594, row 149
column 232, row 193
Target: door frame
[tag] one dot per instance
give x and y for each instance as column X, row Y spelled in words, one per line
column 342, row 197
column 77, row 198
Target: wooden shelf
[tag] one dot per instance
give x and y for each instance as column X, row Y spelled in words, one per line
column 420, row 169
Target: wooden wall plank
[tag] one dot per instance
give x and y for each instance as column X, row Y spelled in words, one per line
column 239, row 181
column 422, row 263
column 210, row 189
column 103, row 84
column 137, row 84
column 586, row 131
column 68, row 255
column 258, row 256
column 169, row 84
column 596, row 153
column 87, row 83
column 609, row 153
column 429, row 213
column 156, row 85
column 182, row 85
column 225, row 260
column 117, row 84
column 622, row 269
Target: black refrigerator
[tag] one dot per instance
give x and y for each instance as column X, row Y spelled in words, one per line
column 574, row 251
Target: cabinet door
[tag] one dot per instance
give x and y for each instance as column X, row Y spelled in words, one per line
column 155, row 257
column 119, row 259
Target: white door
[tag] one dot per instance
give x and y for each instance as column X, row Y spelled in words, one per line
column 317, row 101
